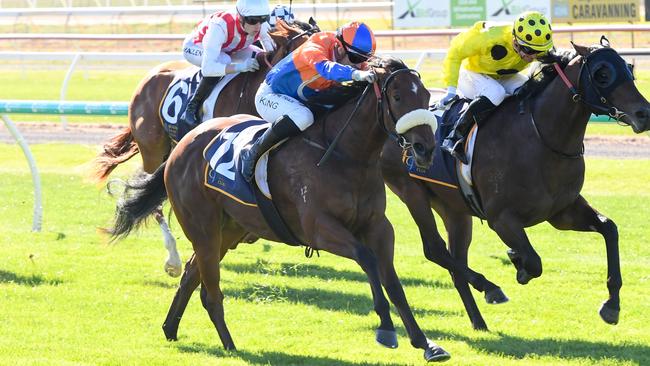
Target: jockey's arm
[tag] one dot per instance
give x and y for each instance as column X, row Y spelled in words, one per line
column 464, row 45
column 212, row 64
column 316, row 56
column 267, row 42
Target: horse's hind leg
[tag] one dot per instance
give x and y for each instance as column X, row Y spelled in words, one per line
column 582, row 217
column 189, row 282
column 381, row 238
column 173, row 263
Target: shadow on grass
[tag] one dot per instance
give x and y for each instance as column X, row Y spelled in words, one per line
column 320, row 298
column 568, row 349
column 324, row 273
column 33, row 280
column 161, row 284
column 273, row 358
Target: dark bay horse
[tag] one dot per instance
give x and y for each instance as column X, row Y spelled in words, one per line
column 529, row 168
column 146, row 135
column 338, row 207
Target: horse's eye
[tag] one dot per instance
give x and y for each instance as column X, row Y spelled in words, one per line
column 396, row 97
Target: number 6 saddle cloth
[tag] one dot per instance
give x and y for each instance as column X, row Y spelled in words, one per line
column 223, row 173
column 179, row 93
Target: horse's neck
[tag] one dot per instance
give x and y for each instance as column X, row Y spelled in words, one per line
column 363, row 139
column 559, row 119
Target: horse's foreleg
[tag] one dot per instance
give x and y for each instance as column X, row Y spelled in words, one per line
column 336, row 239
column 189, row 282
column 173, row 263
column 459, row 229
column 523, row 256
column 381, row 239
column 416, row 198
column 582, row 217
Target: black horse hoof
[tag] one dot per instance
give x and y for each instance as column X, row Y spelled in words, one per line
column 387, row 338
column 171, row 335
column 523, row 277
column 496, row 296
column 609, row 314
column 435, row 353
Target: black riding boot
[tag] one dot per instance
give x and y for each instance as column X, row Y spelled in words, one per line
column 282, row 128
column 191, row 115
column 477, row 110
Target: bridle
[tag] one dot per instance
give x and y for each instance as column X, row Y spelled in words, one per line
column 589, row 92
column 381, row 95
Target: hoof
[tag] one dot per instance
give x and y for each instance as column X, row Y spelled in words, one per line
column 387, row 338
column 609, row 314
column 172, row 269
column 496, row 296
column 171, row 335
column 435, row 353
column 523, row 277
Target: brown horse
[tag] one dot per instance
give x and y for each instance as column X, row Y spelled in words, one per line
column 338, row 206
column 529, row 168
column 145, row 133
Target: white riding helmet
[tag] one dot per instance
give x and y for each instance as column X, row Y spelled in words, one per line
column 252, row 8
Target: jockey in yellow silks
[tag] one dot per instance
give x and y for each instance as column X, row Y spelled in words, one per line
column 484, row 62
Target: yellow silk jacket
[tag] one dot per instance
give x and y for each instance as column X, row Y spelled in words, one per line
column 482, row 49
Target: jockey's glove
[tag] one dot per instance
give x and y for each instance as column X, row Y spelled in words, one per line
column 249, row 65
column 449, row 97
column 362, row 75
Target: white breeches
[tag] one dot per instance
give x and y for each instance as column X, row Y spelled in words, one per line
column 473, row 85
column 272, row 106
column 212, row 60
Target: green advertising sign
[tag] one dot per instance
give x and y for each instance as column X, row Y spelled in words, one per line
column 467, row 12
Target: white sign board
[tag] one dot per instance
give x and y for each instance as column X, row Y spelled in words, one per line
column 421, row 13
column 507, row 10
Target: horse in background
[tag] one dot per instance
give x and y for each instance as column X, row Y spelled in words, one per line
column 338, row 206
column 146, row 135
column 529, row 167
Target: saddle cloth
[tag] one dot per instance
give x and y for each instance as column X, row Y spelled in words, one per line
column 178, row 95
column 223, row 173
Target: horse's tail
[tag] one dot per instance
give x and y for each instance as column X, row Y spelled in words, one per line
column 142, row 195
column 117, row 150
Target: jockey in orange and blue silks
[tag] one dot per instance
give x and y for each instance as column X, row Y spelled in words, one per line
column 222, row 44
column 325, row 60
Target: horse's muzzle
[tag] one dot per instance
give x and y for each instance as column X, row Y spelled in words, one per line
column 423, row 156
column 641, row 120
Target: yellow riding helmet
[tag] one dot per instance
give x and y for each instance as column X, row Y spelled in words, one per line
column 533, row 30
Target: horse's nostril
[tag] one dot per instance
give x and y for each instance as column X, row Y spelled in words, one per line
column 419, row 148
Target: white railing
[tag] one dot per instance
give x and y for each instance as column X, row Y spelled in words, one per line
column 76, row 57
column 379, row 33
column 384, row 6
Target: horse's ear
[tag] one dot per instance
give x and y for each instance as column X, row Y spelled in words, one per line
column 604, row 41
column 313, row 24
column 581, row 50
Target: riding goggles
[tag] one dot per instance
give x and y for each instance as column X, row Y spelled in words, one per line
column 252, row 20
column 355, row 55
column 527, row 50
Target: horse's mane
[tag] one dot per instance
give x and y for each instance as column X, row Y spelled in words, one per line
column 544, row 72
column 388, row 63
